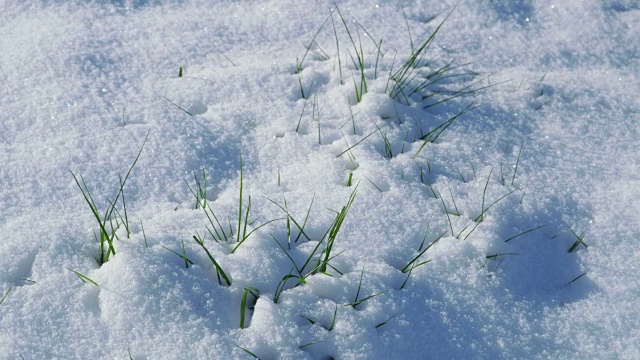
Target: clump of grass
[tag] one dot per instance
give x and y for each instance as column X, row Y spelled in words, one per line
column 407, row 80
column 324, row 246
column 290, row 219
column 111, row 219
column 331, row 235
column 360, row 86
column 216, row 230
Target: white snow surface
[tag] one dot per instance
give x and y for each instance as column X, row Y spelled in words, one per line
column 550, row 149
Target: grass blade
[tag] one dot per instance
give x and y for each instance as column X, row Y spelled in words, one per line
column 219, row 270
column 182, row 256
column 243, row 305
column 410, row 263
column 515, row 171
column 576, row 279
column 5, row 295
column 240, row 204
column 247, row 351
column 361, row 140
column 385, row 322
column 82, row 277
column 525, row 232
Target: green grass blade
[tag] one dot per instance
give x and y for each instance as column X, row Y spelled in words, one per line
column 244, row 238
column 240, row 204
column 333, row 232
column 83, row 277
column 243, row 306
column 176, row 105
column 515, row 171
column 335, row 316
column 247, row 351
column 434, row 134
column 219, row 270
column 5, row 295
column 335, row 34
column 385, row 322
column 308, row 48
column 289, row 216
column 354, row 304
column 410, row 263
column 361, row 140
column 144, row 235
column 481, row 216
column 182, row 256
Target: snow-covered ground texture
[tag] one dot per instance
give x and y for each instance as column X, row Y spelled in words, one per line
column 476, row 200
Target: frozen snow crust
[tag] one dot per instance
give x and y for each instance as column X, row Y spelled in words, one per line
column 491, row 214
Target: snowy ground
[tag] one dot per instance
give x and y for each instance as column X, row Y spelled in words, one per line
column 549, row 150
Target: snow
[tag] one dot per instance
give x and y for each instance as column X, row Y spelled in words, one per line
column 549, row 150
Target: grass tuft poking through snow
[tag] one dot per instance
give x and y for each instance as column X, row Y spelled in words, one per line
column 111, row 219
